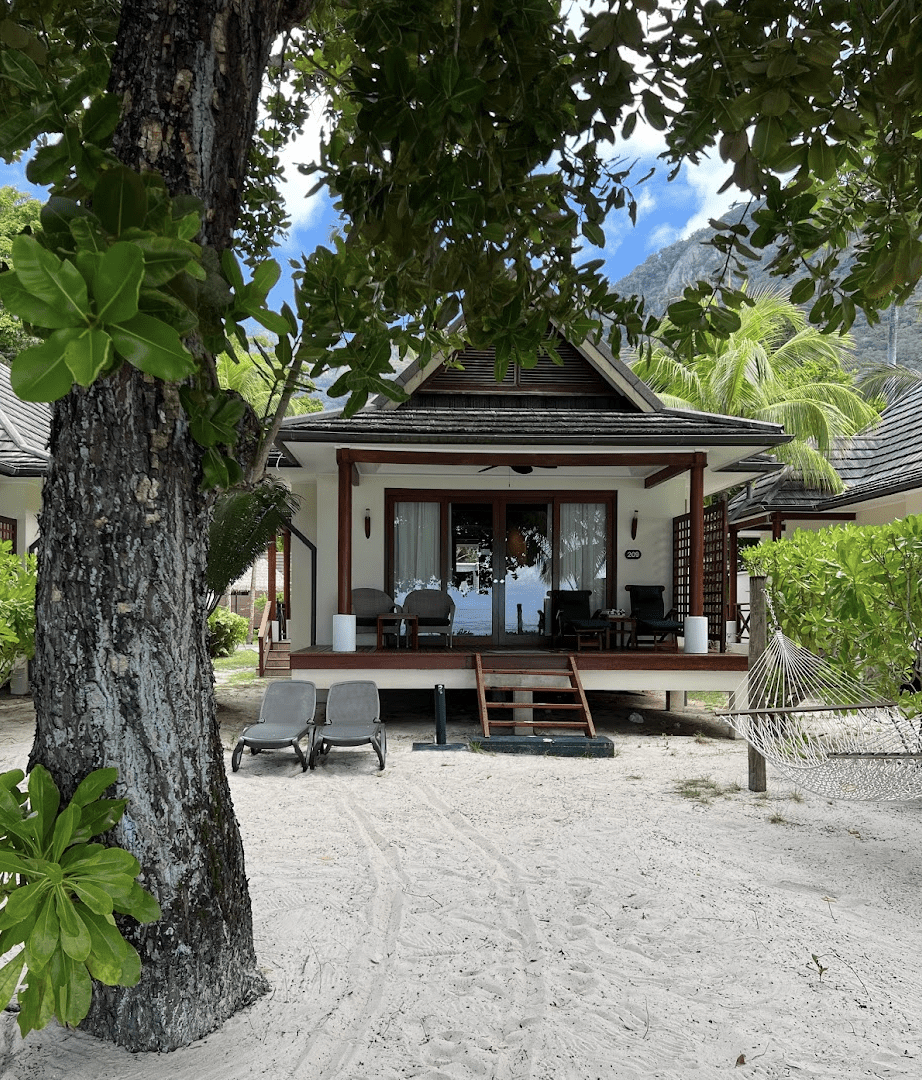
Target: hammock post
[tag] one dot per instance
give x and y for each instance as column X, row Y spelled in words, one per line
column 758, row 642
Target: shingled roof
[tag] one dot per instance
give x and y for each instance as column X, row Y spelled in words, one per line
column 24, row 429
column 497, row 427
column 885, row 460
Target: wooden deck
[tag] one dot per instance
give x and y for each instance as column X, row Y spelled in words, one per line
column 629, row 669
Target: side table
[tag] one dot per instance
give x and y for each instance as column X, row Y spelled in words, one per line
column 622, row 631
column 396, row 618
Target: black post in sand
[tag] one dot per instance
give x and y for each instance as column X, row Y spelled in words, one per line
column 441, row 721
column 441, row 727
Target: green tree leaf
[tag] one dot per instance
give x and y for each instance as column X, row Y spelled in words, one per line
column 152, row 346
column 88, row 354
column 117, row 283
column 120, row 200
column 28, row 307
column 165, row 257
column 40, row 373
column 58, row 283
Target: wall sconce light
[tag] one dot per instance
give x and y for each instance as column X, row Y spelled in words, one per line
column 634, row 526
column 367, row 523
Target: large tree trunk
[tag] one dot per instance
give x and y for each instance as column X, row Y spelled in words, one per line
column 123, row 676
column 124, row 679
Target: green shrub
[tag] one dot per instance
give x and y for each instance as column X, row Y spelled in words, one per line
column 17, row 609
column 851, row 594
column 61, row 893
column 225, row 632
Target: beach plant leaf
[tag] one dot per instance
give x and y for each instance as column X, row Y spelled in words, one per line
column 60, row 893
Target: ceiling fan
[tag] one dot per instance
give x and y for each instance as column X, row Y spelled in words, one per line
column 522, row 470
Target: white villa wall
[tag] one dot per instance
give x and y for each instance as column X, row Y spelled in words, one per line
column 21, row 498
column 318, row 521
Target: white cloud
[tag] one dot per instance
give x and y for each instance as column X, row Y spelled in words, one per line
column 646, row 202
column 304, row 150
column 705, row 180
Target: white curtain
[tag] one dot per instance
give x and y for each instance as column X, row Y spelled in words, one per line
column 416, row 547
column 583, row 550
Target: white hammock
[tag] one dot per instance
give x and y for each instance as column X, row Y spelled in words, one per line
column 819, row 728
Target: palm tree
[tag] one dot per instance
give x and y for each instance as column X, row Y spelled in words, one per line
column 245, row 522
column 247, row 518
column 776, row 367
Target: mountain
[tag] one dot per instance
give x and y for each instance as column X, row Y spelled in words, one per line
column 661, row 278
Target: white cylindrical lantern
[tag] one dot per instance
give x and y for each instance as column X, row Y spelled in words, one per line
column 696, row 634
column 343, row 633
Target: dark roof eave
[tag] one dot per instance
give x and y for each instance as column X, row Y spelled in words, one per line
column 694, row 441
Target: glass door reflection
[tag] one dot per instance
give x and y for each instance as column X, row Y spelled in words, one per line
column 526, row 570
column 471, row 583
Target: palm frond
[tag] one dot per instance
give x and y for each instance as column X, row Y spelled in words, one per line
column 889, row 381
column 244, row 523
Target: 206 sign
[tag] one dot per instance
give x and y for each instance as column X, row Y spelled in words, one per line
column 632, row 553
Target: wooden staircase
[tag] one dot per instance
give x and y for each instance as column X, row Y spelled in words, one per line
column 278, row 660
column 533, row 683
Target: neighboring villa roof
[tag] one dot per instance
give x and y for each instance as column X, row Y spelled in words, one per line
column 885, row 460
column 24, row 429
column 592, row 400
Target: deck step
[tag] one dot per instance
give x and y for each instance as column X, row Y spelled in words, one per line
column 485, row 671
column 278, row 661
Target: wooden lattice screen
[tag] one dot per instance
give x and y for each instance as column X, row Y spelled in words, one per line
column 715, row 569
column 8, row 532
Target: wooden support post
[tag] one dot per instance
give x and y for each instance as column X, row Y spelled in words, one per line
column 271, row 556
column 757, row 643
column 696, row 536
column 344, row 522
column 732, row 559
column 286, row 572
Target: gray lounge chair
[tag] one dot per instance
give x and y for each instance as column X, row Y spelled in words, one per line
column 285, row 718
column 353, row 719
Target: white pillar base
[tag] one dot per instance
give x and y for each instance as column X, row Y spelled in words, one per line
column 343, row 633
column 696, row 634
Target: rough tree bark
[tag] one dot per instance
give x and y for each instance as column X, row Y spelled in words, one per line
column 122, row 671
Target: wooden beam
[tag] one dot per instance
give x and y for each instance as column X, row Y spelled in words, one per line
column 696, row 536
column 765, row 521
column 665, row 474
column 344, row 524
column 356, row 455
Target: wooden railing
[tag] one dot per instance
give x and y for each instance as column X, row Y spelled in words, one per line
column 265, row 638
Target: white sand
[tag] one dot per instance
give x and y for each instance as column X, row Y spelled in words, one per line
column 515, row 918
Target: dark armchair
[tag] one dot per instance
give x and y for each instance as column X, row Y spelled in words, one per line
column 435, row 612
column 570, row 614
column 367, row 605
column 647, row 607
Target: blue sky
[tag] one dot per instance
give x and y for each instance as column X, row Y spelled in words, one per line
column 666, row 212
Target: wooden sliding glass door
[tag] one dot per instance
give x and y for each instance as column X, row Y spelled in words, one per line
column 499, row 554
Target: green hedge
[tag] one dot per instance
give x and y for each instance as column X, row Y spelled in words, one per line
column 225, row 632
column 851, row 594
